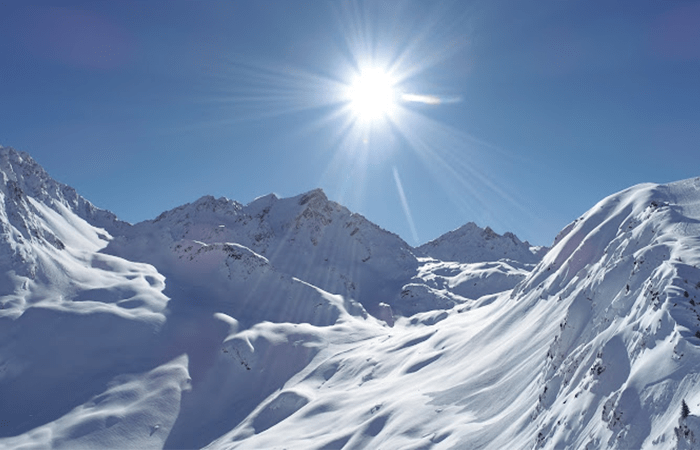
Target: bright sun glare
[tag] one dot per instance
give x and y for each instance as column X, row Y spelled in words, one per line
column 372, row 95
column 375, row 102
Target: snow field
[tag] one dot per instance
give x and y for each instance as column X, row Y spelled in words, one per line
column 293, row 323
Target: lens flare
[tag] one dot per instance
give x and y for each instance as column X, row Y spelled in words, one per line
column 373, row 102
column 372, row 95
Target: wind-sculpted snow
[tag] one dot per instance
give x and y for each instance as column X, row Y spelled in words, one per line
column 49, row 250
column 626, row 278
column 294, row 323
column 444, row 285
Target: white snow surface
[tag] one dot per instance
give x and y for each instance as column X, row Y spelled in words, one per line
column 296, row 324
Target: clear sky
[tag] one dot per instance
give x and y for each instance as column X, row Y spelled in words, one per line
column 519, row 115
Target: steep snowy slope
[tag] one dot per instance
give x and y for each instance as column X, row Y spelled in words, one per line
column 597, row 348
column 49, row 250
column 71, row 318
column 32, row 207
column 626, row 356
column 245, row 326
column 79, row 326
column 171, row 332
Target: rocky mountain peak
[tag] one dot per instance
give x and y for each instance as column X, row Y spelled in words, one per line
column 471, row 243
column 313, row 197
column 23, row 177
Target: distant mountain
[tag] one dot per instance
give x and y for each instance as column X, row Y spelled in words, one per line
column 470, row 244
column 296, row 323
column 307, row 237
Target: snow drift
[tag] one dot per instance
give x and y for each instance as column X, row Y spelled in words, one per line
column 295, row 323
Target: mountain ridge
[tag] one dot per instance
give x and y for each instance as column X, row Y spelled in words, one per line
column 488, row 246
column 294, row 322
column 35, row 180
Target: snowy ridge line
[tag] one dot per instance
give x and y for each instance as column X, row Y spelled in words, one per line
column 626, row 355
column 22, row 175
column 295, row 323
column 483, row 244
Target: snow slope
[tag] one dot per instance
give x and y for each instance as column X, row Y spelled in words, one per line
column 626, row 355
column 294, row 323
column 307, row 237
column 71, row 318
column 596, row 348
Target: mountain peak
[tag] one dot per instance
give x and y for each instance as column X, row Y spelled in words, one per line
column 25, row 173
column 211, row 203
column 471, row 243
column 23, row 177
column 314, row 196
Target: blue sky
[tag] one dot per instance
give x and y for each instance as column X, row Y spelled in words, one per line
column 544, row 107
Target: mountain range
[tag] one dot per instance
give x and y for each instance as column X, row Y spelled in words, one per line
column 294, row 323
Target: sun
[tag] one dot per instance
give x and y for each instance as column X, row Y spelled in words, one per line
column 372, row 95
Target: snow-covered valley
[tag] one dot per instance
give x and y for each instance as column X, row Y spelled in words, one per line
column 293, row 323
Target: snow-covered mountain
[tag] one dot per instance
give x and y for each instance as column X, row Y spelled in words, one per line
column 294, row 323
column 483, row 244
column 306, row 237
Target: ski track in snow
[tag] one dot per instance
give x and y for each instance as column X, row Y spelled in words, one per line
column 296, row 324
